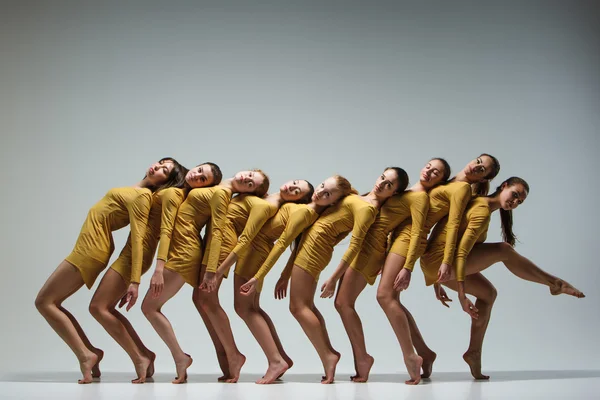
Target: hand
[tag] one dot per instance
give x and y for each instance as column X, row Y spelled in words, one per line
column 131, row 295
column 440, row 294
column 281, row 288
column 328, row 288
column 249, row 287
column 402, row 279
column 209, row 283
column 443, row 273
column 157, row 283
column 468, row 307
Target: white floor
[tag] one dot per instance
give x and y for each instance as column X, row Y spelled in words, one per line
column 447, row 386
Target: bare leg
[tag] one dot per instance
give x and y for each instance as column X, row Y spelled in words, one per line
column 220, row 350
column 351, row 285
column 484, row 255
column 274, row 334
column 96, row 368
column 138, row 342
column 301, row 306
column 102, row 307
column 421, row 347
column 212, row 307
column 152, row 310
column 63, row 282
column 245, row 308
column 389, row 300
column 485, row 293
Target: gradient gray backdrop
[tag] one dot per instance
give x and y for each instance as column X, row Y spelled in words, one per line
column 90, row 95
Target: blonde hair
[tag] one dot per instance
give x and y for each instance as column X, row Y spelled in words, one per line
column 344, row 186
column 262, row 189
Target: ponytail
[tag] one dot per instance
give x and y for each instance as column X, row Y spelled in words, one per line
column 482, row 188
column 506, row 216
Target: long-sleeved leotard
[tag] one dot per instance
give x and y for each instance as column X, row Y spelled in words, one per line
column 472, row 229
column 446, row 200
column 161, row 221
column 284, row 227
column 405, row 208
column 200, row 206
column 246, row 215
column 351, row 214
column 94, row 246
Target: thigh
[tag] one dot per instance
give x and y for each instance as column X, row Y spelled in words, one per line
column 392, row 267
column 173, row 283
column 239, row 299
column 484, row 255
column 64, row 281
column 351, row 286
column 303, row 287
column 111, row 289
column 476, row 285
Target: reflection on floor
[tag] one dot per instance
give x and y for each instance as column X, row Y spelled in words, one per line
column 449, row 385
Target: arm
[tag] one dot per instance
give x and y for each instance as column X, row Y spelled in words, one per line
column 458, row 202
column 297, row 222
column 138, row 210
column 418, row 213
column 171, row 200
column 218, row 206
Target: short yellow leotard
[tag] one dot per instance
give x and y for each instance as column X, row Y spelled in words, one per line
column 185, row 252
column 472, row 229
column 246, row 214
column 351, row 214
column 161, row 220
column 408, row 207
column 284, row 227
column 451, row 200
column 94, row 246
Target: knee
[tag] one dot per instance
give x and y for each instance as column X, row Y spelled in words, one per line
column 493, row 294
column 241, row 310
column 42, row 303
column 206, row 302
column 507, row 250
column 148, row 309
column 342, row 305
column 295, row 309
column 97, row 310
column 384, row 298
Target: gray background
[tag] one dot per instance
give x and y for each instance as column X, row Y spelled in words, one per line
column 91, row 94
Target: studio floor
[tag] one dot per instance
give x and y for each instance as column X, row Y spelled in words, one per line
column 445, row 385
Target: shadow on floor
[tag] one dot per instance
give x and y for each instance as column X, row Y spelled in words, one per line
column 124, row 377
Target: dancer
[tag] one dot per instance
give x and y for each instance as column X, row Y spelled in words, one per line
column 445, row 200
column 92, row 251
column 474, row 256
column 185, row 253
column 246, row 215
column 409, row 208
column 285, row 227
column 115, row 282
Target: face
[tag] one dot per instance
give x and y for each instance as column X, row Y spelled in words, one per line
column 432, row 174
column 512, row 196
column 200, row 176
column 247, row 181
column 478, row 169
column 158, row 173
column 294, row 190
column 386, row 184
column 326, row 193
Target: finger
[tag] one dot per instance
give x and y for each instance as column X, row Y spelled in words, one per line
column 131, row 302
column 474, row 308
column 444, row 303
column 323, row 287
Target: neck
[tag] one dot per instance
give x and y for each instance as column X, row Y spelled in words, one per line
column 142, row 184
column 227, row 184
column 493, row 203
column 318, row 209
column 418, row 187
column 462, row 177
column 275, row 198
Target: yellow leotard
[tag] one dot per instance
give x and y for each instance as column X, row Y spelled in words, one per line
column 351, row 214
column 185, row 252
column 406, row 208
column 445, row 200
column 472, row 229
column 94, row 246
column 246, row 214
column 161, row 220
column 284, row 227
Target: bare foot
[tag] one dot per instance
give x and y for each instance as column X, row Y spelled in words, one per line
column 96, row 368
column 274, row 371
column 235, row 367
column 428, row 364
column 413, row 366
column 363, row 367
column 182, row 366
column 289, row 362
column 223, row 378
column 330, row 363
column 562, row 287
column 150, row 370
column 86, row 366
column 473, row 358
column 141, row 369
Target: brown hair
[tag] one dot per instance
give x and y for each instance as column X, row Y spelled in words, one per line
column 483, row 187
column 344, row 186
column 262, row 189
column 176, row 177
column 447, row 170
column 506, row 215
